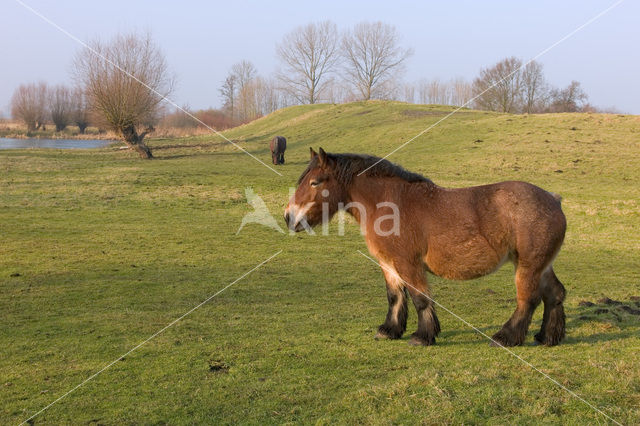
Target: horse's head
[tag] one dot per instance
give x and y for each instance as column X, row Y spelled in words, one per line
column 318, row 191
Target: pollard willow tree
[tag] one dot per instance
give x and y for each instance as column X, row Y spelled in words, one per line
column 125, row 82
column 29, row 105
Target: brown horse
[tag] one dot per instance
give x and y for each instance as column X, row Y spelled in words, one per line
column 457, row 234
column 278, row 145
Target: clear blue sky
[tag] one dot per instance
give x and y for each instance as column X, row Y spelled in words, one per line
column 203, row 39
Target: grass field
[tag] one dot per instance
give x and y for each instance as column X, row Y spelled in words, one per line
column 100, row 250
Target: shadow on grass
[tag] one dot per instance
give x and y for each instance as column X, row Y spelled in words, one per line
column 624, row 316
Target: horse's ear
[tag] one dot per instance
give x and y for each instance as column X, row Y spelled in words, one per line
column 324, row 158
column 313, row 153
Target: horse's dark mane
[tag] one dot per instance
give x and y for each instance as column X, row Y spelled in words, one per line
column 347, row 166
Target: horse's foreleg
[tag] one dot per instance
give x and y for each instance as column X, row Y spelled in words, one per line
column 414, row 278
column 553, row 321
column 514, row 331
column 396, row 321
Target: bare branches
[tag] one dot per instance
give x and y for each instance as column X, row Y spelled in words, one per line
column 569, row 99
column 60, row 106
column 453, row 92
column 29, row 105
column 510, row 87
column 534, row 88
column 499, row 88
column 247, row 95
column 125, row 81
column 309, row 54
column 80, row 109
column 228, row 93
column 373, row 57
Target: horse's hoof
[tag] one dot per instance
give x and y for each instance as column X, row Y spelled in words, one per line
column 381, row 336
column 501, row 339
column 545, row 340
column 418, row 341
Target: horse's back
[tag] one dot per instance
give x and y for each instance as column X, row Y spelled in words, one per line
column 483, row 226
column 278, row 144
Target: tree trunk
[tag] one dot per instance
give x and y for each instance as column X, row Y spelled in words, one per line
column 135, row 141
column 143, row 150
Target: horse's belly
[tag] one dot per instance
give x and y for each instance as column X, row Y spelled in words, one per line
column 464, row 261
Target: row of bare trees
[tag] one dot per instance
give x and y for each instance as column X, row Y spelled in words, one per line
column 318, row 64
column 37, row 103
column 316, row 59
column 507, row 86
column 247, row 95
column 511, row 86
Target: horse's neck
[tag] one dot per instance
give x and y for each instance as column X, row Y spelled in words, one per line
column 368, row 193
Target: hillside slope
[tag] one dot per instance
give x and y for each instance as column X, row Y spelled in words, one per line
column 474, row 145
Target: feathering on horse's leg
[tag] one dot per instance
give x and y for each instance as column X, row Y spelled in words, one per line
column 418, row 288
column 396, row 321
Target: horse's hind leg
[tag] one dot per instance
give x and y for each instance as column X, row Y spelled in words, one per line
column 396, row 322
column 428, row 324
column 513, row 332
column 553, row 293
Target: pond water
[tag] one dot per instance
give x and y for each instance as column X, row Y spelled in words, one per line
column 8, row 143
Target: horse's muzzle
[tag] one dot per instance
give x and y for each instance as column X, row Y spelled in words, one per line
column 292, row 221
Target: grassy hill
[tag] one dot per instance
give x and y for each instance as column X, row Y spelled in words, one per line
column 101, row 250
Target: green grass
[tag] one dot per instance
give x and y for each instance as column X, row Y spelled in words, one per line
column 109, row 249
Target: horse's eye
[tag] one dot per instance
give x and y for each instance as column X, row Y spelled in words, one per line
column 314, row 183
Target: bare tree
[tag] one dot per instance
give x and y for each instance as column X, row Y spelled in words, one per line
column 265, row 96
column 228, row 93
column 80, row 109
column 60, row 106
column 244, row 73
column 534, row 88
column 29, row 105
column 373, row 58
column 499, row 88
column 309, row 54
column 569, row 99
column 118, row 100
column 461, row 92
column 409, row 93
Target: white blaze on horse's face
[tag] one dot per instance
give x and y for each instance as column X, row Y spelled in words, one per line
column 317, row 197
column 295, row 215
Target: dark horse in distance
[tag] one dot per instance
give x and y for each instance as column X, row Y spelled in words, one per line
column 458, row 234
column 278, row 145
